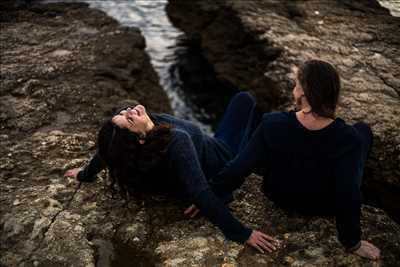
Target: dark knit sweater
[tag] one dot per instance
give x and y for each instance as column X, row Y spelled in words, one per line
column 192, row 159
column 315, row 172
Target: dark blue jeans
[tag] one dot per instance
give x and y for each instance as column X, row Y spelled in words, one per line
column 240, row 120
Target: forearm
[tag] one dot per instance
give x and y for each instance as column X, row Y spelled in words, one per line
column 185, row 165
column 90, row 171
column 348, row 211
column 213, row 209
column 348, row 173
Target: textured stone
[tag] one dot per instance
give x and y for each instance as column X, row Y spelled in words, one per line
column 265, row 40
column 50, row 126
column 64, row 69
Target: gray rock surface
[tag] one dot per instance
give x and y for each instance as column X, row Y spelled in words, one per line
column 64, row 68
column 255, row 45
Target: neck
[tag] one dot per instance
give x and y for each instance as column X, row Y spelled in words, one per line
column 311, row 120
column 306, row 110
column 149, row 126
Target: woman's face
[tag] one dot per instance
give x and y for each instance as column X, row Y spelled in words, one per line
column 134, row 119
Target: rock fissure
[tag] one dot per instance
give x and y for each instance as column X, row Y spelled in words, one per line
column 365, row 58
column 85, row 226
column 53, row 219
column 44, row 219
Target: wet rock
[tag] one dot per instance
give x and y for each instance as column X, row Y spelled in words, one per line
column 63, row 55
column 50, row 220
column 305, row 241
column 265, row 40
column 52, row 102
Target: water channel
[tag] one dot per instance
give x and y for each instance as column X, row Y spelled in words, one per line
column 166, row 46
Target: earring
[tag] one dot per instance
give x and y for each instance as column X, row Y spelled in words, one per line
column 142, row 136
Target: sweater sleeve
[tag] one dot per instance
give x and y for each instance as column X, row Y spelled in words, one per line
column 348, row 171
column 184, row 163
column 234, row 173
column 90, row 171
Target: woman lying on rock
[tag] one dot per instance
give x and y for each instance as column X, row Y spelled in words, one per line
column 313, row 160
column 159, row 152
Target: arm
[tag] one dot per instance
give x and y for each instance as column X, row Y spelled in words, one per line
column 234, row 173
column 348, row 171
column 185, row 164
column 90, row 171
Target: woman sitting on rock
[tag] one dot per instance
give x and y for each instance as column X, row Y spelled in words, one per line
column 159, row 152
column 313, row 160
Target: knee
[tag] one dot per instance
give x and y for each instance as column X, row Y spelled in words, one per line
column 244, row 97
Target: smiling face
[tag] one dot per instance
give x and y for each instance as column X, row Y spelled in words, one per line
column 134, row 119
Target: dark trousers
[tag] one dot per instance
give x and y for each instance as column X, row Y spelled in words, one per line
column 240, row 120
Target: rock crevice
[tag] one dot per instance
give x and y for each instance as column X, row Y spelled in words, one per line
column 65, row 68
column 360, row 39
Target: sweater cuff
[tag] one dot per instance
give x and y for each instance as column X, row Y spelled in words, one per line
column 81, row 177
column 354, row 248
column 246, row 235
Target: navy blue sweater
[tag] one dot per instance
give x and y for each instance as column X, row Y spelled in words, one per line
column 192, row 159
column 312, row 171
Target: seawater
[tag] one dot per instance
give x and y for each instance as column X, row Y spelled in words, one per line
column 162, row 44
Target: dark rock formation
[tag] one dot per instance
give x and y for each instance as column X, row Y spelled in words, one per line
column 307, row 241
column 64, row 69
column 254, row 45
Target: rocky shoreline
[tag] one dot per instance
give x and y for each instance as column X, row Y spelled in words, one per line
column 254, row 45
column 64, row 69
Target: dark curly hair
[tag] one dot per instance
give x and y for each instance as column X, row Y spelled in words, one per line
column 128, row 161
column 321, row 85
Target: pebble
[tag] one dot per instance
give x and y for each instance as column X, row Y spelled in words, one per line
column 289, row 259
column 286, row 236
column 61, row 53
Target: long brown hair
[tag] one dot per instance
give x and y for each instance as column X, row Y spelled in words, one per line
column 128, row 161
column 321, row 85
